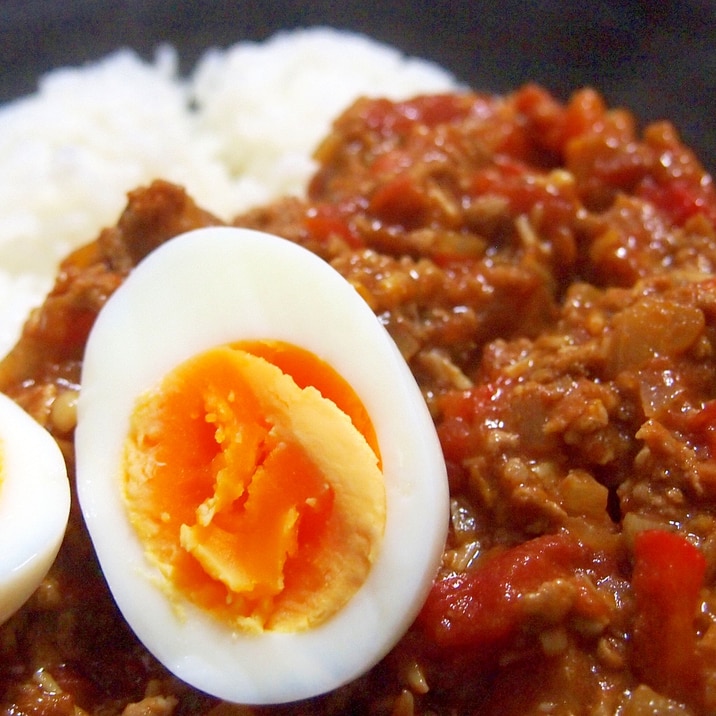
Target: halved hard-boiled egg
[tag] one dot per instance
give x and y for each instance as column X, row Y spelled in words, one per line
column 34, row 505
column 257, row 468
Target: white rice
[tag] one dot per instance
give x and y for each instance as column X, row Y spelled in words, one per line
column 237, row 132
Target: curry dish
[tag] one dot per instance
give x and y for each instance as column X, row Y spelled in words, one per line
column 547, row 270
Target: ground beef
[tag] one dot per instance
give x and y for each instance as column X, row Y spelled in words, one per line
column 546, row 269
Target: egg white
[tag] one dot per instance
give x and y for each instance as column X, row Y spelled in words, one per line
column 34, row 505
column 214, row 286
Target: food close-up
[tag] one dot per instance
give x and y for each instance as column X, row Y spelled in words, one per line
column 333, row 384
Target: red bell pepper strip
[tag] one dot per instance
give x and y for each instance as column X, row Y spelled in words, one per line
column 482, row 608
column 667, row 580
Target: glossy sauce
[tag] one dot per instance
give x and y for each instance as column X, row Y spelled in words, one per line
column 546, row 269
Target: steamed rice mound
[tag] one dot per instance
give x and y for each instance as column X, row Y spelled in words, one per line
column 237, row 132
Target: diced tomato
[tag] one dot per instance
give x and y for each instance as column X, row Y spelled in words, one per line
column 493, row 177
column 524, row 189
column 400, row 201
column 433, row 110
column 681, row 198
column 391, row 162
column 324, row 221
column 667, row 580
column 379, row 115
column 389, row 118
column 482, row 608
column 466, row 404
column 703, row 426
column 461, row 410
column 584, row 112
column 544, row 113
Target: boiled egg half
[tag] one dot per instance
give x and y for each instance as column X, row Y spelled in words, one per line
column 257, row 468
column 34, row 505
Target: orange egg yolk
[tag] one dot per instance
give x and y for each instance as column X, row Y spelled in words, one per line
column 253, row 478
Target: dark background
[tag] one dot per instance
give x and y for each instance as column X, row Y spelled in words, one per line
column 655, row 57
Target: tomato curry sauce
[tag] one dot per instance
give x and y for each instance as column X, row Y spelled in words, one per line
column 547, row 271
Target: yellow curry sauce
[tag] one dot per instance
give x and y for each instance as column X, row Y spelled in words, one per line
column 547, row 270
